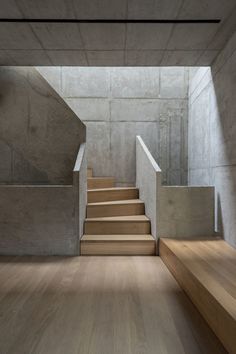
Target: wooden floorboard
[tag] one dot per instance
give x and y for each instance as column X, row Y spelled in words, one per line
column 97, row 305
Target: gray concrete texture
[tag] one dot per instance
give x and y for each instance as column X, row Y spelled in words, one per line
column 185, row 212
column 148, row 180
column 37, row 145
column 212, row 135
column 38, row 220
column 178, row 212
column 116, row 104
column 42, row 202
column 116, row 44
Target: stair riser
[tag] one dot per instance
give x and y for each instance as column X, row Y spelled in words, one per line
column 96, row 183
column 107, row 196
column 115, row 210
column 89, row 172
column 124, row 227
column 118, row 248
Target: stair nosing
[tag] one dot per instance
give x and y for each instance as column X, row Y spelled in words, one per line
column 97, row 238
column 112, row 189
column 116, row 202
column 120, row 218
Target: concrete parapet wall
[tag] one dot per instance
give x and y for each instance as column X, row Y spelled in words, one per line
column 148, row 180
column 39, row 134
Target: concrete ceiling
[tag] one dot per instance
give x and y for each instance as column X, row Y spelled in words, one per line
column 114, row 44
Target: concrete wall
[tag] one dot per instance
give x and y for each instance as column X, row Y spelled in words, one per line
column 116, row 104
column 212, row 135
column 174, row 211
column 148, row 180
column 42, row 200
column 80, row 184
column 185, row 212
column 38, row 220
column 37, row 145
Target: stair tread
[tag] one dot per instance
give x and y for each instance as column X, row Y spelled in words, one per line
column 134, row 218
column 117, row 202
column 113, row 238
column 112, row 189
column 100, row 178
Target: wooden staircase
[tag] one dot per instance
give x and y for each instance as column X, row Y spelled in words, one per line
column 115, row 223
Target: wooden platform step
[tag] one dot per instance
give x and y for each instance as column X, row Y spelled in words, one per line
column 206, row 270
column 136, row 224
column 115, row 208
column 118, row 245
column 111, row 194
column 100, row 182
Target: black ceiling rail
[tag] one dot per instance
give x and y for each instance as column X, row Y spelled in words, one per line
column 71, row 20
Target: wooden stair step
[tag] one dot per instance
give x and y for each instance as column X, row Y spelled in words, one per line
column 116, row 208
column 111, row 194
column 206, row 270
column 118, row 244
column 100, row 182
column 136, row 224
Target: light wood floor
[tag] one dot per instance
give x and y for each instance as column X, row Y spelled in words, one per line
column 97, row 305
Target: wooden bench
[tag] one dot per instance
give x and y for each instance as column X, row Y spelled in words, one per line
column 206, row 270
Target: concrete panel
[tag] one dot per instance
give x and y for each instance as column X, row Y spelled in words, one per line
column 175, row 142
column 186, row 212
column 207, row 57
column 143, row 57
column 199, row 146
column 6, row 167
column 106, row 58
column 27, row 57
column 46, row 9
column 208, row 9
column 224, row 179
column 128, row 82
column 199, row 39
column 17, row 36
column 174, row 82
column 224, row 54
column 58, row 35
column 36, row 127
column 92, row 109
column 123, row 135
column 147, row 36
column 85, row 82
column 37, row 221
column 24, row 172
column 10, row 9
column 136, row 110
column 52, row 75
column 180, row 57
column 197, row 80
column 98, row 148
column 103, row 36
column 67, row 57
column 100, row 9
column 200, row 177
column 5, row 58
column 173, row 121
column 161, row 9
